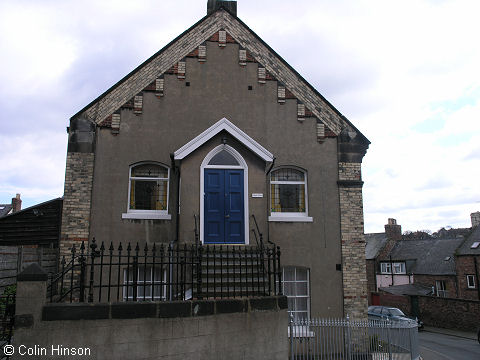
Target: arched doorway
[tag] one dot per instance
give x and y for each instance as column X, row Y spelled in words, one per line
column 224, row 197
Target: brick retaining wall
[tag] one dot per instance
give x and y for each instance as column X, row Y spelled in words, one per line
column 440, row 312
column 450, row 313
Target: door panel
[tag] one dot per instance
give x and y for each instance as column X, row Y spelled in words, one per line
column 214, row 206
column 234, row 210
column 224, row 206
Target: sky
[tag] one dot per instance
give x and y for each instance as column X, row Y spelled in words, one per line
column 405, row 73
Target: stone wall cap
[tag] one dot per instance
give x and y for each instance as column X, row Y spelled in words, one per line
column 33, row 272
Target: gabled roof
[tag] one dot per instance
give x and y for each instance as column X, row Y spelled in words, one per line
column 120, row 93
column 374, row 243
column 431, row 256
column 5, row 209
column 471, row 240
column 223, row 125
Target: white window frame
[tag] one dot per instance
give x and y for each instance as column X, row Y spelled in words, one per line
column 385, row 268
column 128, row 284
column 295, row 281
column 441, row 288
column 471, row 282
column 147, row 214
column 402, row 268
column 289, row 216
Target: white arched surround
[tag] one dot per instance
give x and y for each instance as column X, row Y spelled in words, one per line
column 243, row 165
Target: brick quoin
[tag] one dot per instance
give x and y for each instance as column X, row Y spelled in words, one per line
column 77, row 201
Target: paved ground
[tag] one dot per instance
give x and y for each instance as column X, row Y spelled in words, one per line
column 443, row 344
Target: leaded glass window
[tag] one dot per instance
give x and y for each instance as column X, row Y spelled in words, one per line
column 149, row 187
column 288, row 188
column 223, row 158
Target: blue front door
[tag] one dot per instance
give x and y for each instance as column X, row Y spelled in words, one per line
column 224, row 207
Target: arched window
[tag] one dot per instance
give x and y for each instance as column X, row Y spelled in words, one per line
column 288, row 195
column 148, row 191
column 223, row 158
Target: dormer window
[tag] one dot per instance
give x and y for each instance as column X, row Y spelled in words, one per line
column 398, row 267
column 386, row 268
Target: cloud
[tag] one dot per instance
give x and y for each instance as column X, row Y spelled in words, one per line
column 35, row 166
column 405, row 73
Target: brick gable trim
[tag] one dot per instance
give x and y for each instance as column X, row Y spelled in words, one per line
column 186, row 43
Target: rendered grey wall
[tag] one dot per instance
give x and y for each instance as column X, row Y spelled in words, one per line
column 254, row 328
column 219, row 88
column 257, row 335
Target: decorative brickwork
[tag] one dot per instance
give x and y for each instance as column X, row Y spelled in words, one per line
column 159, row 86
column 181, row 70
column 242, row 57
column 138, row 104
column 232, row 31
column 76, row 200
column 222, row 38
column 115, row 123
column 281, row 94
column 353, row 241
column 202, row 53
column 261, row 75
column 320, row 131
column 300, row 112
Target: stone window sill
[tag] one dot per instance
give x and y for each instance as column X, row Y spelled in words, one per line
column 278, row 218
column 145, row 216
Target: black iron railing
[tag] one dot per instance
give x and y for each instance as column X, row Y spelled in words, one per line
column 7, row 319
column 166, row 272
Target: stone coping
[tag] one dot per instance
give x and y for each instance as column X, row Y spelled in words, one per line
column 160, row 309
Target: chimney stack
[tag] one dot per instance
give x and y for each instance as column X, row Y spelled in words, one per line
column 475, row 218
column 214, row 5
column 16, row 203
column 393, row 231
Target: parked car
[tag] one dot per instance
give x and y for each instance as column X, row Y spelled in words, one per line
column 391, row 313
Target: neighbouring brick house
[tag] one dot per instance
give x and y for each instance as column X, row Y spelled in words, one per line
column 447, row 263
column 468, row 262
column 217, row 111
column 378, row 246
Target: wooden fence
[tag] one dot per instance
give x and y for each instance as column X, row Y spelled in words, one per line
column 13, row 259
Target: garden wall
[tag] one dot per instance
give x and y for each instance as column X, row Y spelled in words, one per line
column 254, row 328
column 449, row 313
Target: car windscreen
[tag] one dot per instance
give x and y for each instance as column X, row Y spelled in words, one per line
column 396, row 312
